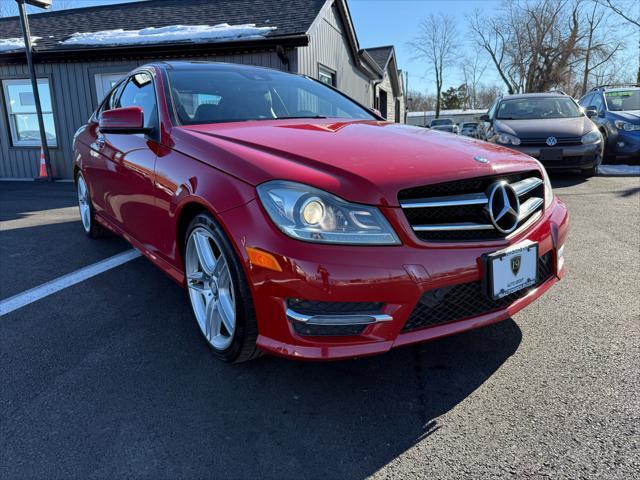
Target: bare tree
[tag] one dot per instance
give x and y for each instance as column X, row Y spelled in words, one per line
column 473, row 68
column 625, row 13
column 420, row 102
column 436, row 43
column 601, row 43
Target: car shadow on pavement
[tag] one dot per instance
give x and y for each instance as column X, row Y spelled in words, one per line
column 118, row 382
column 19, row 198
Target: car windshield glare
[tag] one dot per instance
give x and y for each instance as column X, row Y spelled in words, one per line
column 623, row 100
column 538, row 108
column 235, row 94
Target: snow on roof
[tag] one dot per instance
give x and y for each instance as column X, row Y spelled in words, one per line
column 10, row 44
column 432, row 113
column 171, row 33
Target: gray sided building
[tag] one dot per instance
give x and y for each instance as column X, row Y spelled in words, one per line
column 311, row 37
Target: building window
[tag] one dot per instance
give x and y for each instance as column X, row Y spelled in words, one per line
column 21, row 111
column 383, row 103
column 327, row 76
column 105, row 82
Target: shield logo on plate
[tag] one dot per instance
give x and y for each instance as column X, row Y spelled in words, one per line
column 515, row 264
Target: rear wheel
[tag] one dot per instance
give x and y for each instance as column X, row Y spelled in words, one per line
column 87, row 213
column 218, row 291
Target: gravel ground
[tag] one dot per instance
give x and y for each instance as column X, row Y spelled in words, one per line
column 110, row 378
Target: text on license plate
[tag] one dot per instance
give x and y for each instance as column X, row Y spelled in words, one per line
column 512, row 269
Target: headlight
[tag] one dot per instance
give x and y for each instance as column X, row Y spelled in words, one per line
column 594, row 136
column 626, row 126
column 306, row 213
column 506, row 139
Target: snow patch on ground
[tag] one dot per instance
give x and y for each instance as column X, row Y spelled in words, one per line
column 619, row 169
column 172, row 33
column 10, row 44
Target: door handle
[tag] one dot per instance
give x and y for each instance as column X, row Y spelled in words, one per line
column 100, row 140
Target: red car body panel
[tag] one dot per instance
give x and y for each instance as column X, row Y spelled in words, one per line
column 143, row 189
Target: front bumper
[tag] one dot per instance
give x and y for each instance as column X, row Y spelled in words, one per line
column 396, row 276
column 624, row 144
column 573, row 156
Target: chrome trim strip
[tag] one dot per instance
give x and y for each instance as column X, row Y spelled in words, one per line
column 528, row 207
column 357, row 319
column 449, row 201
column 446, row 227
column 526, row 185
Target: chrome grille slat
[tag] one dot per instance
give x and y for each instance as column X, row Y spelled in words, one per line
column 462, row 215
column 449, row 201
column 526, row 185
column 530, row 206
column 446, row 227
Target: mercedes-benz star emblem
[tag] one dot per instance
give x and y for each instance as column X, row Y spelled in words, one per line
column 551, row 141
column 481, row 159
column 503, row 207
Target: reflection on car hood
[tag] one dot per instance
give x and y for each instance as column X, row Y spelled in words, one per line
column 631, row 116
column 362, row 161
column 543, row 127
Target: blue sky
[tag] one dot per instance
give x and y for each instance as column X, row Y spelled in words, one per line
column 386, row 22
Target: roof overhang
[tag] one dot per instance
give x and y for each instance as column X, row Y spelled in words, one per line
column 160, row 49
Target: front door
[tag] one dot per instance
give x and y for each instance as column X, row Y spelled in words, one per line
column 130, row 162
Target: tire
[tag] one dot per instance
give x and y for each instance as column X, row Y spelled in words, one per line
column 607, row 156
column 87, row 213
column 218, row 292
column 590, row 172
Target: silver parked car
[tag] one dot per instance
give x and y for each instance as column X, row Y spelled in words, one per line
column 444, row 124
column 469, row 129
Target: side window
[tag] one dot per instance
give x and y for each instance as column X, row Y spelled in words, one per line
column 139, row 92
column 585, row 101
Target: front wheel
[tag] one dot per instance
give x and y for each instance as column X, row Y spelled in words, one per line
column 87, row 213
column 218, row 291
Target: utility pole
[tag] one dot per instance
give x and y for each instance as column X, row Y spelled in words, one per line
column 26, row 32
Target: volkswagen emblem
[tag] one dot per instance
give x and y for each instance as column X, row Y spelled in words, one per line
column 481, row 159
column 503, row 207
column 551, row 141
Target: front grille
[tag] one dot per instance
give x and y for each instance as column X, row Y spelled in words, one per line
column 542, row 141
column 466, row 300
column 327, row 330
column 457, row 211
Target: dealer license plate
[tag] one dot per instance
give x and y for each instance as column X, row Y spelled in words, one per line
column 512, row 269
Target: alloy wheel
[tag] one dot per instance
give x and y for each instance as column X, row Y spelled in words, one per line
column 210, row 288
column 83, row 202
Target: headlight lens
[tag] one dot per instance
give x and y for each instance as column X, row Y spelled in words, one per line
column 306, row 213
column 506, row 139
column 594, row 136
column 626, row 126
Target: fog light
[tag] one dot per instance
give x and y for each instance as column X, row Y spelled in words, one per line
column 620, row 144
column 560, row 258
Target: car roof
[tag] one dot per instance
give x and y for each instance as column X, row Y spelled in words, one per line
column 534, row 95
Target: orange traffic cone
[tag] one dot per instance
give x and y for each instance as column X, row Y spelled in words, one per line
column 43, row 167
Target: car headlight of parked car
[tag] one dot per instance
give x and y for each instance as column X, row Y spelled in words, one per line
column 506, row 139
column 310, row 214
column 594, row 136
column 626, row 126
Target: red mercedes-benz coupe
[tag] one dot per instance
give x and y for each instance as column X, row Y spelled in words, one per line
column 302, row 224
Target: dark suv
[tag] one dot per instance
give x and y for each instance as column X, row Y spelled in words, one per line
column 548, row 126
column 616, row 111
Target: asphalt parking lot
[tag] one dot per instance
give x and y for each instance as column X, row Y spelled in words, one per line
column 110, row 378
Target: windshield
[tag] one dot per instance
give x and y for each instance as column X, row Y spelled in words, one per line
column 469, row 125
column 538, row 107
column 443, row 121
column 235, row 94
column 622, row 100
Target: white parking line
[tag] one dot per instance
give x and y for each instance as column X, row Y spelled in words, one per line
column 60, row 283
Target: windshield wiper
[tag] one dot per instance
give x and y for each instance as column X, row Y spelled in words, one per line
column 301, row 116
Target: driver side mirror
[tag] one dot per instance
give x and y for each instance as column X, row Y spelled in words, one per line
column 485, row 118
column 123, row 120
column 591, row 112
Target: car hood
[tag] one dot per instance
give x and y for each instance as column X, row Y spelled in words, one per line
column 361, row 161
column 543, row 127
column 631, row 116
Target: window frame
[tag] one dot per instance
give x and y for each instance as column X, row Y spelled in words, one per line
column 328, row 72
column 97, row 78
column 155, row 125
column 11, row 132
